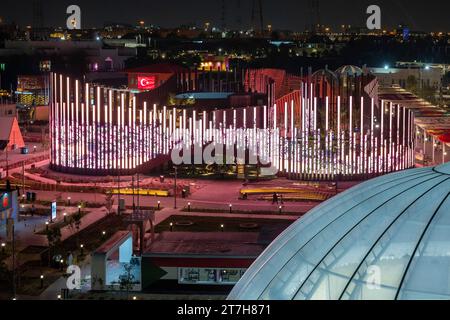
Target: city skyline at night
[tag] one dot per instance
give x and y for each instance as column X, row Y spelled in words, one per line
column 282, row 15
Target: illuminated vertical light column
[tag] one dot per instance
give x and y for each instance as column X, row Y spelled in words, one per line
column 145, row 156
column 164, row 130
column 184, row 125
column 302, row 134
column 86, row 136
column 134, row 140
column 444, row 152
column 193, row 127
column 390, row 139
column 155, row 141
column 111, row 141
column 264, row 117
column 141, row 140
column 397, row 140
column 174, row 126
column 170, row 133
column 76, row 129
column 382, row 140
column 362, row 141
column 124, row 135
column 118, row 161
column 285, row 140
column 327, row 129
column 72, row 144
column 339, row 137
column 86, row 126
column 130, row 151
column 350, row 137
column 99, row 143
column 274, row 154
column 69, row 156
column 404, row 165
column 82, row 136
column 372, row 141
column 63, row 142
column 203, row 139
column 293, row 144
column 151, row 135
column 106, row 138
column 57, row 131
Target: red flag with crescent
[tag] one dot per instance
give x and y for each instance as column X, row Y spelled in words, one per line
column 146, row 83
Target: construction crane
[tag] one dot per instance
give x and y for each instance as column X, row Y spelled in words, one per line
column 38, row 14
column 224, row 15
column 257, row 14
column 314, row 9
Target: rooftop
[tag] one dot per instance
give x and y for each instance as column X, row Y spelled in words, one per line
column 228, row 244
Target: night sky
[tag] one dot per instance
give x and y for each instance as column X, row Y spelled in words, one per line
column 426, row 15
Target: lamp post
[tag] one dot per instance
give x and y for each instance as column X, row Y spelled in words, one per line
column 221, row 227
column 46, row 225
column 65, row 217
column 171, row 226
column 3, row 248
column 61, row 264
column 189, row 207
column 175, row 188
column 82, row 249
column 42, row 281
column 159, row 205
column 68, row 200
column 231, row 207
column 280, row 208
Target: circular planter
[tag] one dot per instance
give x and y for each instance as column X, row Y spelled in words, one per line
column 185, row 223
column 249, row 226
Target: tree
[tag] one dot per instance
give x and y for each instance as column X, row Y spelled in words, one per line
column 411, row 83
column 446, row 80
column 126, row 280
column 54, row 241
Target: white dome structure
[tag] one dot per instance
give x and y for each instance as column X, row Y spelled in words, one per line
column 387, row 238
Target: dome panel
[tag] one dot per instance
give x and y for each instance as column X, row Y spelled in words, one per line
column 376, row 227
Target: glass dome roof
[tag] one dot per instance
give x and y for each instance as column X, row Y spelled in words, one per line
column 387, row 238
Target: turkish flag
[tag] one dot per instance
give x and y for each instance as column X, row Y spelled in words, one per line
column 146, row 83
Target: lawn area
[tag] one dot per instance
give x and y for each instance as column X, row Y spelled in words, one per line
column 92, row 236
column 213, row 224
column 213, row 210
column 61, row 224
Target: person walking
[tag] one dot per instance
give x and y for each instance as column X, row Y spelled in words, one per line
column 275, row 198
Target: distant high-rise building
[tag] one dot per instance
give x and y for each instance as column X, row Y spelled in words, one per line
column 257, row 16
column 38, row 14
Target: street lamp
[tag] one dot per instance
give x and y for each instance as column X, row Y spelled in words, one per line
column 159, row 205
column 221, row 227
column 68, row 200
column 231, row 207
column 189, row 207
column 61, row 264
column 3, row 247
column 81, row 248
column 46, row 225
column 42, row 281
column 175, row 188
column 280, row 208
column 65, row 217
column 171, row 227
